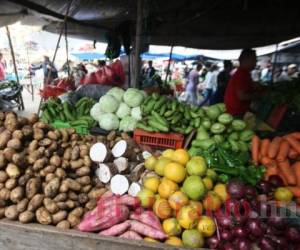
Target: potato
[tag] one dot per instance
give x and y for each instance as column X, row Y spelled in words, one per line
column 18, row 134
column 19, row 159
column 52, row 135
column 65, row 145
column 33, row 186
column 2, row 212
column 41, row 125
column 8, row 153
column 33, row 118
column 83, row 171
column 86, row 189
column 2, row 185
column 33, row 146
column 61, row 197
column 40, row 164
column 74, row 220
column 97, row 183
column 55, row 161
column 26, row 217
column 35, row 202
column 13, row 171
column 67, row 154
column 29, row 171
column 64, row 187
column 17, row 194
column 59, row 216
column 27, row 131
column 22, row 205
column 45, row 142
column 42, row 150
column 83, row 198
column 53, row 147
column 3, row 176
column 72, row 196
column 84, row 180
column 2, row 160
column 38, row 134
column 2, row 116
column 87, row 161
column 65, row 164
column 15, row 144
column 75, row 153
column 71, row 131
column 50, row 177
column 34, row 156
column 4, row 194
column 50, row 205
column 24, row 179
column 78, row 212
column 73, row 185
column 48, row 153
column 51, row 189
column 96, row 193
column 60, row 173
column 62, row 205
column 4, row 138
column 75, row 137
column 43, row 216
column 11, row 184
column 64, row 134
column 70, row 204
column 64, row 225
column 11, row 212
column 49, row 169
column 91, row 204
column 77, row 164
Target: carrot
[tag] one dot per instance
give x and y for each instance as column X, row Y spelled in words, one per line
column 288, row 172
column 272, row 170
column 274, row 147
column 294, row 143
column 296, row 135
column 296, row 167
column 255, row 144
column 264, row 147
column 295, row 191
column 293, row 153
column 268, row 162
column 283, row 151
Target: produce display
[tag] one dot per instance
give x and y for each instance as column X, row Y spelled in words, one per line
column 119, row 109
column 78, row 115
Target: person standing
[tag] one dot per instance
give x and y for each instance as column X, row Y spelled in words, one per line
column 210, row 84
column 149, row 71
column 2, row 68
column 240, row 90
column 50, row 72
column 191, row 87
column 293, row 71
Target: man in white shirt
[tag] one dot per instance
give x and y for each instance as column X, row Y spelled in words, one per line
column 210, row 83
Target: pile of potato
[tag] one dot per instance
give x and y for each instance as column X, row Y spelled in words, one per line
column 46, row 175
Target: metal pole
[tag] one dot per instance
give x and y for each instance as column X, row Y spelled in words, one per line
column 274, row 63
column 138, row 42
column 169, row 64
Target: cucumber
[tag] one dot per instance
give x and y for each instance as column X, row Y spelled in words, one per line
column 158, row 126
column 159, row 118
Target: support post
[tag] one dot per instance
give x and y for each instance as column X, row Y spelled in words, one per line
column 169, row 64
column 138, row 42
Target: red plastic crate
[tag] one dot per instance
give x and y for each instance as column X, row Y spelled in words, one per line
column 158, row 140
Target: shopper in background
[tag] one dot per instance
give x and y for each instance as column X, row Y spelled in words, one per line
column 50, row 72
column 266, row 74
column 255, row 74
column 2, row 68
column 191, row 87
column 149, row 72
column 101, row 64
column 241, row 90
column 293, row 71
column 210, row 84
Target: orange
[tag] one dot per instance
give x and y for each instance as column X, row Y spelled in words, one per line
column 178, row 200
column 166, row 188
column 206, row 226
column 181, row 156
column 175, row 172
column 162, row 209
column 212, row 201
column 174, row 241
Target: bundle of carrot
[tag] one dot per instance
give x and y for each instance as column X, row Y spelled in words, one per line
column 280, row 156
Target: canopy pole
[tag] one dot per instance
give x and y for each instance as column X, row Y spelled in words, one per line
column 15, row 66
column 169, row 64
column 138, row 42
column 274, row 64
column 67, row 48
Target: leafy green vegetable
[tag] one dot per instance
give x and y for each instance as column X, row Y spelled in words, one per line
column 96, row 112
column 133, row 97
column 117, row 93
column 128, row 123
column 123, row 110
column 109, row 122
column 109, row 104
column 136, row 113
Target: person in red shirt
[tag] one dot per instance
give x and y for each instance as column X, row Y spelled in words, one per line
column 2, row 68
column 240, row 90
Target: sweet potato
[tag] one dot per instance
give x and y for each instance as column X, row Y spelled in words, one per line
column 17, row 194
column 116, row 229
column 52, row 188
column 11, row 184
column 43, row 216
column 146, row 230
column 64, row 225
column 59, row 216
column 22, row 205
column 12, row 171
column 50, row 205
column 35, row 202
column 11, row 212
column 131, row 235
column 26, row 217
column 33, row 186
column 147, row 217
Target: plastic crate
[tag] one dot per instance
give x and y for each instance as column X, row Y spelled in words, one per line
column 158, row 140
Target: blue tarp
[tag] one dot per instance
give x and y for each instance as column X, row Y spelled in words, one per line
column 88, row 55
column 178, row 57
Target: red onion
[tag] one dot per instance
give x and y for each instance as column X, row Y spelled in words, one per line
column 293, row 234
column 263, row 187
column 236, row 189
column 239, row 231
column 243, row 244
column 266, row 244
column 277, row 222
column 275, row 181
column 226, row 235
column 228, row 246
column 224, row 221
column 255, row 227
column 250, row 192
column 213, row 242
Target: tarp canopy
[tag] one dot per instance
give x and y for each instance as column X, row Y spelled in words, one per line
column 219, row 24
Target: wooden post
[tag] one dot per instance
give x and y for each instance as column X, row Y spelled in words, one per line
column 138, row 42
column 169, row 64
column 15, row 65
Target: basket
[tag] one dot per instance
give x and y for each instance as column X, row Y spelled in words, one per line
column 158, row 140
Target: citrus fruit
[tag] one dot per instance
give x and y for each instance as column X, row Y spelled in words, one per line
column 160, row 165
column 148, row 239
column 194, row 188
column 192, row 238
column 197, row 205
column 208, row 183
column 220, row 189
column 178, row 200
column 146, row 197
column 196, row 166
column 168, row 153
column 188, row 217
column 212, row 174
column 283, row 194
column 166, row 188
column 181, row 156
column 175, row 172
column 206, row 226
column 212, row 201
column 174, row 241
column 162, row 209
column 171, row 227
column 150, row 162
column 151, row 183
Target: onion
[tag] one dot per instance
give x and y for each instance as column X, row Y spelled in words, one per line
column 273, row 231
column 243, row 244
column 230, row 205
column 293, row 234
column 266, row 244
column 224, row 221
column 239, row 231
column 275, row 181
column 255, row 227
column 236, row 189
column 228, row 246
column 280, row 241
column 263, row 187
column 226, row 235
column 250, row 192
column 240, row 219
column 213, row 242
column 277, row 222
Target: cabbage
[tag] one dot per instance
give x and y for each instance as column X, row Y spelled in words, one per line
column 128, row 123
column 133, row 97
column 109, row 121
column 144, row 93
column 117, row 93
column 96, row 112
column 123, row 110
column 136, row 113
column 109, row 104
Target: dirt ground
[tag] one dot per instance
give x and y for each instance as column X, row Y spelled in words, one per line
column 31, row 103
